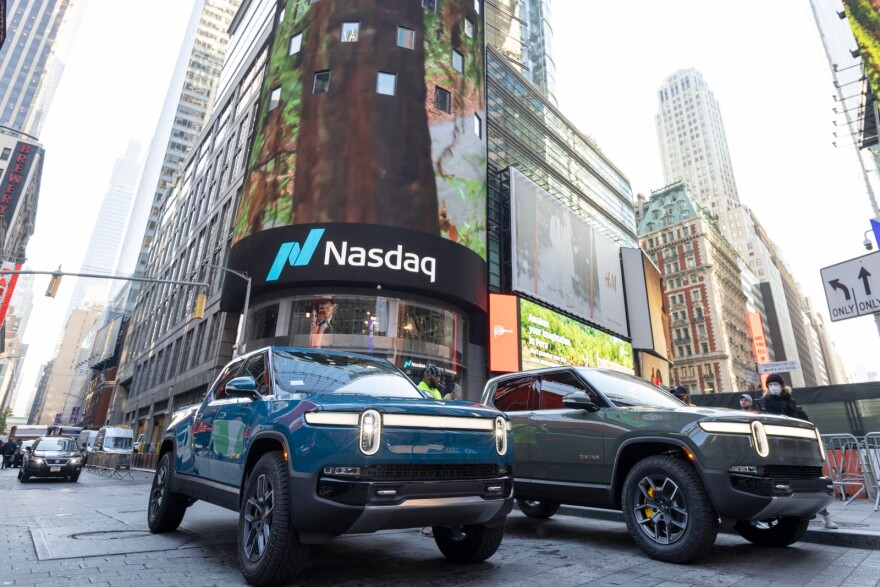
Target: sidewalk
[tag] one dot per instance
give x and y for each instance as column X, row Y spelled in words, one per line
column 859, row 523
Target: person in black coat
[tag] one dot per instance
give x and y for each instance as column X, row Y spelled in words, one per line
column 778, row 400
column 8, row 452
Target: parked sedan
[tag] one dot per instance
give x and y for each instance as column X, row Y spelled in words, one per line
column 51, row 456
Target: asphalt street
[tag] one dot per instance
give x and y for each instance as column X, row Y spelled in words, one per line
column 94, row 532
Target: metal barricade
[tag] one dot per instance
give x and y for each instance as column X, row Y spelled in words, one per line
column 109, row 464
column 872, row 462
column 144, row 461
column 844, row 466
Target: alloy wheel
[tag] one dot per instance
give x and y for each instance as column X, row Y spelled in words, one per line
column 258, row 519
column 158, row 492
column 660, row 509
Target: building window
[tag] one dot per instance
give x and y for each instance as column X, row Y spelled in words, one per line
column 350, row 32
column 275, row 98
column 478, row 126
column 386, row 83
column 430, row 5
column 5, row 155
column 457, row 61
column 442, row 100
column 321, row 84
column 295, row 44
column 469, row 27
column 477, row 6
column 406, row 38
column 281, row 16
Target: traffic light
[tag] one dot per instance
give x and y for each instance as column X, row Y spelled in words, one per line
column 54, row 283
column 199, row 306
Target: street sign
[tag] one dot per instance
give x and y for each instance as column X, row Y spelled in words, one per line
column 778, row 367
column 751, row 377
column 875, row 226
column 852, row 288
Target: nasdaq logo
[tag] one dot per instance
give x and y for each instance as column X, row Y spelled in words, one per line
column 295, row 255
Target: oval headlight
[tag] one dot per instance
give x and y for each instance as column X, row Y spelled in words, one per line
column 762, row 446
column 500, row 435
column 370, row 432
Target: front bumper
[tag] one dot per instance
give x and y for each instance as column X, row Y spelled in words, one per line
column 325, row 507
column 46, row 469
column 759, row 497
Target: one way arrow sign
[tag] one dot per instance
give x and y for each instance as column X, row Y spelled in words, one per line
column 852, row 287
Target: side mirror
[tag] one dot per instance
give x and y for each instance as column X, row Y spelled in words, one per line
column 579, row 401
column 242, row 387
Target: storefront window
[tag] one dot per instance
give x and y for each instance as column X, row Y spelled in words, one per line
column 409, row 334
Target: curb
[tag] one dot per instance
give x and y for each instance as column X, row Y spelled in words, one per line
column 841, row 537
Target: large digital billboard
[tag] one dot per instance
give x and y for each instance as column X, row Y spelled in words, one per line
column 372, row 112
column 560, row 259
column 550, row 339
column 864, row 19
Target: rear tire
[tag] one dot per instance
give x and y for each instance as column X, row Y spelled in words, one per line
column 667, row 511
column 776, row 532
column 269, row 550
column 165, row 509
column 539, row 510
column 468, row 544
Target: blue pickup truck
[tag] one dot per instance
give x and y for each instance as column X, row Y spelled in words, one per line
column 309, row 444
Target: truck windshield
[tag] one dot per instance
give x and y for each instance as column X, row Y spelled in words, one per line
column 628, row 391
column 318, row 372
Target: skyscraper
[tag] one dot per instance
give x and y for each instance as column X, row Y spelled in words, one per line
column 693, row 145
column 188, row 104
column 521, row 31
column 103, row 248
column 32, row 59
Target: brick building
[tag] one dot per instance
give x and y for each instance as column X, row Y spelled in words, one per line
column 702, row 289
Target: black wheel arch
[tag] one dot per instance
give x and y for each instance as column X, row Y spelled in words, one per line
column 168, row 444
column 633, row 450
column 262, row 443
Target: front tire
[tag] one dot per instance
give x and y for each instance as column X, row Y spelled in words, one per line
column 539, row 510
column 468, row 544
column 74, row 478
column 777, row 532
column 269, row 550
column 166, row 509
column 667, row 510
column 23, row 476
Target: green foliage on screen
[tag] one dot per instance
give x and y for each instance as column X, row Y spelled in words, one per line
column 583, row 346
column 864, row 19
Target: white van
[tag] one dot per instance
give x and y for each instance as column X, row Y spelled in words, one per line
column 114, row 439
column 87, row 437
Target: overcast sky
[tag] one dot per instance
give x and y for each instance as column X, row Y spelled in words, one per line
column 765, row 64
column 763, row 61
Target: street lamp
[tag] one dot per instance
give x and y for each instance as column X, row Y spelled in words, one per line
column 236, row 349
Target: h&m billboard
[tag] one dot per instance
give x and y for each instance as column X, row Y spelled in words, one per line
column 560, row 259
column 371, row 113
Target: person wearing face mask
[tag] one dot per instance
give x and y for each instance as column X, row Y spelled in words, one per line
column 778, row 400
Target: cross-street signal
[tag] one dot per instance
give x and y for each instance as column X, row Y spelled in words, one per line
column 852, row 288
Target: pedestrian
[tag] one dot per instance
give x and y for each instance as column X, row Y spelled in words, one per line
column 746, row 403
column 431, row 381
column 778, row 400
column 681, row 393
column 7, row 452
